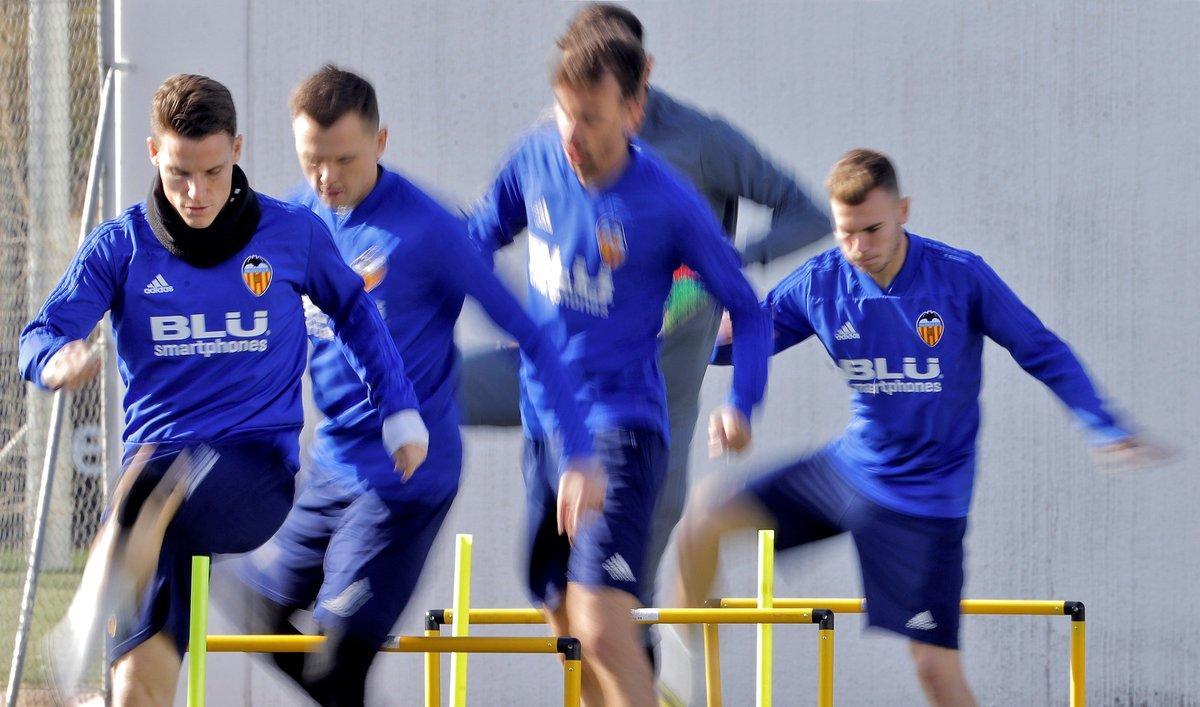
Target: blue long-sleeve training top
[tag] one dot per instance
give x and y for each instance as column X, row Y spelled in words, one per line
column 599, row 268
column 912, row 356
column 213, row 353
column 418, row 264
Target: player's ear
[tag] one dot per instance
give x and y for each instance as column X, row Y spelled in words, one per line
column 152, row 148
column 647, row 71
column 237, row 148
column 380, row 142
column 903, row 205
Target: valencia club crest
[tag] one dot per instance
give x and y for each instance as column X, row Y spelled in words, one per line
column 371, row 266
column 610, row 238
column 256, row 273
column 930, row 327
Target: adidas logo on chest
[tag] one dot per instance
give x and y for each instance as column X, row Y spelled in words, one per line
column 158, row 286
column 846, row 332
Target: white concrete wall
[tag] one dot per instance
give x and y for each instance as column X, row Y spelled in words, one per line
column 1056, row 139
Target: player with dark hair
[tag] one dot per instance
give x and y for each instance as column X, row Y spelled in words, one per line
column 357, row 539
column 204, row 282
column 608, row 225
column 725, row 166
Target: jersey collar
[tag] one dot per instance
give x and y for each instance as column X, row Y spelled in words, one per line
column 384, row 183
column 904, row 278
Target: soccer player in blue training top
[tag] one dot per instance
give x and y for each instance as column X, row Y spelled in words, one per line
column 725, row 166
column 608, row 224
column 358, row 536
column 204, row 281
column 904, row 317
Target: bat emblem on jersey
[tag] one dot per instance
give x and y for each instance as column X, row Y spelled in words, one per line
column 371, row 266
column 610, row 237
column 256, row 273
column 930, row 327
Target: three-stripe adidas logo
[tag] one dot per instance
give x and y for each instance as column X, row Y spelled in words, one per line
column 158, row 286
column 618, row 569
column 922, row 622
column 846, row 332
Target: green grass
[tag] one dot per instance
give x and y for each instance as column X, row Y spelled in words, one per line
column 54, row 593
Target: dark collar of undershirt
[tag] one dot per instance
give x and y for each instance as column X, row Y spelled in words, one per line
column 229, row 232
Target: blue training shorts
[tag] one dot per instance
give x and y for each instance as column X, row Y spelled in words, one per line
column 353, row 548
column 912, row 566
column 610, row 550
column 234, row 507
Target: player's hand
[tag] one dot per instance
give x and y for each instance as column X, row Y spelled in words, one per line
column 581, row 490
column 728, row 431
column 408, row 457
column 74, row 365
column 725, row 331
column 1130, row 454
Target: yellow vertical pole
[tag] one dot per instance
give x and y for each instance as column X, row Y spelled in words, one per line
column 712, row 664
column 461, row 620
column 825, row 668
column 198, row 632
column 433, row 667
column 572, row 682
column 766, row 596
column 1078, row 663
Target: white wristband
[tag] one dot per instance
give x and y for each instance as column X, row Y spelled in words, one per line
column 404, row 427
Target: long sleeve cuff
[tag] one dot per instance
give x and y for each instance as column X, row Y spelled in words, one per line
column 404, row 427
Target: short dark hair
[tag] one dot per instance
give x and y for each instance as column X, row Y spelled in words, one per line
column 333, row 92
column 192, row 106
column 593, row 50
column 601, row 12
column 858, row 173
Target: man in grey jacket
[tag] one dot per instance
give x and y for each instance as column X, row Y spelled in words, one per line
column 725, row 166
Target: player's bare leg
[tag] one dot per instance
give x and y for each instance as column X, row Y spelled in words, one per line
column 616, row 670
column 118, row 569
column 941, row 675
column 698, row 541
column 146, row 675
column 560, row 625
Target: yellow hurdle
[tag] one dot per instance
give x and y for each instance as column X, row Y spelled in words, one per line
column 978, row 607
column 569, row 647
column 766, row 592
column 433, row 668
column 461, row 625
column 197, row 631
column 709, row 617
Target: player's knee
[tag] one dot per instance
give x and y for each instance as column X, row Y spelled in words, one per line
column 607, row 642
column 145, row 675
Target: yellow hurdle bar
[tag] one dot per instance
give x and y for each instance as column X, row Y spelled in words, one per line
column 1030, row 607
column 709, row 617
column 394, row 644
column 433, row 667
column 724, row 616
column 461, row 625
column 825, row 666
column 197, row 629
column 977, row 607
column 712, row 665
column 569, row 647
column 766, row 593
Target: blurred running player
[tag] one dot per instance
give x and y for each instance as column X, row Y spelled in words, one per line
column 204, row 282
column 608, row 225
column 358, row 536
column 725, row 166
column 904, row 317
